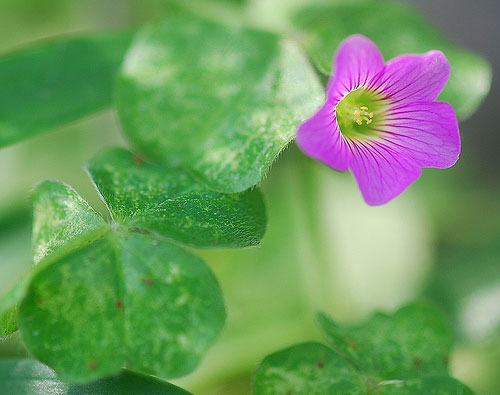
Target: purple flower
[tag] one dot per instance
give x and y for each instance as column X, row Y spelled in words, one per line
column 381, row 121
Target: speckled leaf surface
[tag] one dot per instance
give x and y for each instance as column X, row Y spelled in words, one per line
column 170, row 202
column 9, row 307
column 86, row 313
column 415, row 341
column 309, row 368
column 59, row 215
column 8, row 321
column 405, row 353
column 49, row 84
column 99, row 288
column 29, row 377
column 222, row 101
column 397, row 29
column 68, row 317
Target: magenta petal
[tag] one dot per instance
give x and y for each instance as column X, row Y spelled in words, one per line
column 357, row 62
column 414, row 77
column 320, row 138
column 425, row 131
column 381, row 172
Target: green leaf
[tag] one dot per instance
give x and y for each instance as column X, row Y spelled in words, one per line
column 314, row 369
column 413, row 342
column 28, row 377
column 428, row 385
column 170, row 202
column 309, row 368
column 221, row 101
column 112, row 295
column 8, row 321
column 396, row 29
column 400, row 354
column 59, row 215
column 126, row 297
column 49, row 84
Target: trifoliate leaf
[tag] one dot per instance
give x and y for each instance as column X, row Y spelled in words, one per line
column 400, row 354
column 88, row 305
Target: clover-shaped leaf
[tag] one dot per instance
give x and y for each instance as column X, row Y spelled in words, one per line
column 49, row 84
column 397, row 29
column 99, row 287
column 28, row 377
column 222, row 101
column 400, row 354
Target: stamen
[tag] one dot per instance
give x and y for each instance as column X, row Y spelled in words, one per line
column 363, row 115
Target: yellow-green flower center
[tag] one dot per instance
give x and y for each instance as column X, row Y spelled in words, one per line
column 359, row 113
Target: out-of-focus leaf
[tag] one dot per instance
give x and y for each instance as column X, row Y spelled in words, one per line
column 413, row 342
column 88, row 305
column 438, row 385
column 29, row 377
column 398, row 354
column 170, row 202
column 220, row 100
column 308, row 368
column 467, row 285
column 60, row 215
column 52, row 83
column 397, row 29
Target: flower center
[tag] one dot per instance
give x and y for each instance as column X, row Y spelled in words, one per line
column 359, row 113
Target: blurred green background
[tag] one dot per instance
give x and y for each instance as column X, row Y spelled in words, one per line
column 324, row 249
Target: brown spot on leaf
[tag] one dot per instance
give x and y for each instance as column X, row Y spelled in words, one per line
column 119, row 304
column 418, row 362
column 147, row 280
column 320, row 364
column 30, row 318
column 352, row 344
column 39, row 301
column 92, row 365
column 138, row 159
